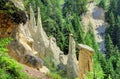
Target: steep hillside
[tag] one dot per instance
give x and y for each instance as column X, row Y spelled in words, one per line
column 55, row 39
column 30, row 45
column 95, row 17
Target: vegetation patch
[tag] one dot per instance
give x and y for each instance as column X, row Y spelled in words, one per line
column 9, row 68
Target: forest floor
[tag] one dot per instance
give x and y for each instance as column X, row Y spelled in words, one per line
column 96, row 18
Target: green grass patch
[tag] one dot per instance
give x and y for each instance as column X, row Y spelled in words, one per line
column 54, row 76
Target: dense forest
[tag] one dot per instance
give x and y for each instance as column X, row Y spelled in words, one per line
column 62, row 17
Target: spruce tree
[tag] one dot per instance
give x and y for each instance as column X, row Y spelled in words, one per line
column 109, row 46
column 102, row 4
column 118, row 32
column 117, row 74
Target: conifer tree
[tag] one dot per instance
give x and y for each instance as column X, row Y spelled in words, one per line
column 111, row 30
column 117, row 74
column 113, row 6
column 112, row 19
column 109, row 46
column 74, row 6
column 118, row 33
column 102, row 4
column 77, row 26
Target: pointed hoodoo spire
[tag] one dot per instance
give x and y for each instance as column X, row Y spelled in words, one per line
column 71, row 44
column 39, row 23
column 18, row 4
column 40, row 37
column 32, row 22
column 72, row 64
column 40, row 29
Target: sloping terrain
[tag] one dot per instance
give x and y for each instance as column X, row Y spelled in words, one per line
column 95, row 17
column 34, row 73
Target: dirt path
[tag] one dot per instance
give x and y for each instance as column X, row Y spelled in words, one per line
column 95, row 16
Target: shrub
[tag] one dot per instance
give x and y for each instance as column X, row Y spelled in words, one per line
column 9, row 68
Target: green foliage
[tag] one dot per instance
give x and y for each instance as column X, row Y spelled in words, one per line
column 9, row 68
column 76, row 78
column 90, row 39
column 102, row 4
column 74, row 6
column 54, row 76
column 6, row 6
column 112, row 58
column 59, row 21
column 112, row 16
column 3, row 43
column 55, row 23
column 52, row 66
column 118, row 32
column 112, row 41
column 97, row 72
column 109, row 46
column 49, row 62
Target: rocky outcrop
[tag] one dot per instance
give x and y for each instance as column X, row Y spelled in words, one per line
column 72, row 64
column 11, row 25
column 42, row 43
column 96, row 17
column 21, row 48
column 63, row 62
column 85, row 60
column 31, row 44
column 18, row 4
column 6, row 25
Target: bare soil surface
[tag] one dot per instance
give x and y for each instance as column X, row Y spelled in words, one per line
column 34, row 73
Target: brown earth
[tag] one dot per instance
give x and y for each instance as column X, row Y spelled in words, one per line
column 34, row 73
column 6, row 25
